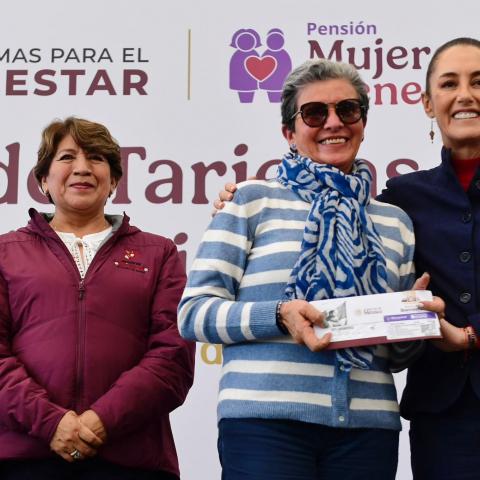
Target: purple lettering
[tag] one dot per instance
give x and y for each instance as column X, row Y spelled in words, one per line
column 176, row 180
column 316, row 50
column 411, row 93
column 41, row 80
column 416, row 56
column 392, row 56
column 373, row 171
column 180, row 239
column 12, row 82
column 72, row 79
column 130, row 83
column 392, row 168
column 366, row 58
column 34, row 190
column 10, row 194
column 101, row 81
column 121, row 194
column 201, row 170
column 263, row 170
column 378, row 58
column 379, row 87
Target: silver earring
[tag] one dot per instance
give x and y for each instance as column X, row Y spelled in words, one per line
column 431, row 133
column 293, row 148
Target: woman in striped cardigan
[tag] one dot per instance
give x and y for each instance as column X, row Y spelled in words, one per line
column 288, row 408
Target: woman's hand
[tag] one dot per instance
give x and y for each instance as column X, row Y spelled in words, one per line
column 453, row 338
column 72, row 435
column 224, row 196
column 421, row 283
column 300, row 317
column 92, row 421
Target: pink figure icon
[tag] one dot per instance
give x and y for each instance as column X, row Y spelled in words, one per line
column 241, row 80
column 274, row 82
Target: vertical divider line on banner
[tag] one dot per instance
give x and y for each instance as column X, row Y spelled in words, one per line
column 189, row 60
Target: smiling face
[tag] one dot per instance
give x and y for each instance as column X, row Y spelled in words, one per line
column 454, row 99
column 335, row 143
column 78, row 182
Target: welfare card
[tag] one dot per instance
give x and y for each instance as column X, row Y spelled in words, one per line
column 380, row 318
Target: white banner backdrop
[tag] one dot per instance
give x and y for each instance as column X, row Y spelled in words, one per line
column 191, row 99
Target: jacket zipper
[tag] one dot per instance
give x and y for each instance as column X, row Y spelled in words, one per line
column 78, row 400
column 81, row 327
column 80, row 347
column 81, row 289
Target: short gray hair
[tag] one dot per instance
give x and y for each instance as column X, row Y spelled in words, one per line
column 314, row 71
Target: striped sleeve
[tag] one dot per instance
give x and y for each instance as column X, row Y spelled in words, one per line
column 407, row 267
column 208, row 311
column 396, row 231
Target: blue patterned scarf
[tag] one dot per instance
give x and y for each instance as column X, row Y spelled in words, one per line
column 341, row 253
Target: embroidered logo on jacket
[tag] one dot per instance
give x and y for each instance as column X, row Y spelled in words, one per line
column 129, row 264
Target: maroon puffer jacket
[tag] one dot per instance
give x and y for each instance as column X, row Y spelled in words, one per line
column 108, row 342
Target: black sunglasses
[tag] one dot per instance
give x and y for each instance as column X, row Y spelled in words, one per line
column 314, row 114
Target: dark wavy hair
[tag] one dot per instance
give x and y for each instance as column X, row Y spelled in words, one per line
column 91, row 137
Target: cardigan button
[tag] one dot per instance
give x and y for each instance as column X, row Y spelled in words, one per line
column 465, row 297
column 466, row 217
column 465, row 257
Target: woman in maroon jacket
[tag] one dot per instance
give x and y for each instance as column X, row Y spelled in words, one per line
column 91, row 362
